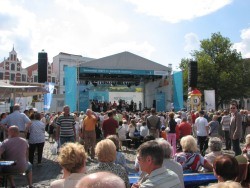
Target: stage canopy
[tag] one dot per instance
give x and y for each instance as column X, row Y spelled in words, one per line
column 122, row 68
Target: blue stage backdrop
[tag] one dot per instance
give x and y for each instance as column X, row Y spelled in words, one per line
column 71, row 87
column 178, row 90
column 160, row 102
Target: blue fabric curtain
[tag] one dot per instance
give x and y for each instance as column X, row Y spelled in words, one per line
column 71, row 87
column 178, row 90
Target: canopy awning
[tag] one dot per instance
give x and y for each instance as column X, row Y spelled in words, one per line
column 19, row 91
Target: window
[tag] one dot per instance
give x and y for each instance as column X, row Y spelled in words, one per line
column 23, row 78
column 1, row 75
column 12, row 67
column 35, row 79
column 64, row 81
column 53, row 80
column 12, row 77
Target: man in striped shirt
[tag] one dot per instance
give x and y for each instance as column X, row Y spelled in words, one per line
column 66, row 127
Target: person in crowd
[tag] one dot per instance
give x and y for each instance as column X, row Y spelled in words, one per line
column 15, row 149
column 109, row 125
column 214, row 127
column 72, row 158
column 246, row 149
column 178, row 118
column 168, row 162
column 106, row 155
column 115, row 115
column 120, row 157
column 137, row 166
column 225, row 123
column 189, row 158
column 81, row 116
column 150, row 158
column 101, row 180
column 77, row 126
column 88, row 128
column 227, row 184
column 185, row 128
column 19, row 119
column 66, row 127
column 4, row 128
column 121, row 131
column 163, row 133
column 52, row 126
column 202, row 130
column 243, row 114
column 225, row 168
column 162, row 119
column 36, row 138
column 235, row 128
column 131, row 128
column 143, row 130
column 215, row 146
column 194, row 115
column 172, row 131
column 154, row 123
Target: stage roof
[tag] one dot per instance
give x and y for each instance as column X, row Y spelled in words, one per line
column 125, row 60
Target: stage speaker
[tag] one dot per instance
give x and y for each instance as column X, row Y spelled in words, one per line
column 42, row 67
column 192, row 74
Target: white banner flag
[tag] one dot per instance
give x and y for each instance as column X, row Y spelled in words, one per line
column 209, row 99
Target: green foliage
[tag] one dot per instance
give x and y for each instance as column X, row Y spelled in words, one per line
column 220, row 68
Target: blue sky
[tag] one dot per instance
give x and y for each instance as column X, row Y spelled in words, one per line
column 164, row 31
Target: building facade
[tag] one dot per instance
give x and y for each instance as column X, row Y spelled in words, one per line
column 11, row 70
column 63, row 60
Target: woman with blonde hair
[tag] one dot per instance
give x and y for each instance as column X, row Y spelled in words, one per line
column 72, row 159
column 131, row 128
column 106, row 154
column 120, row 157
column 246, row 149
column 190, row 159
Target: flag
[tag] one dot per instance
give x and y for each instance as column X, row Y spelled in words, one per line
column 48, row 97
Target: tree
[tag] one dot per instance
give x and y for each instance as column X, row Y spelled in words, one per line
column 220, row 68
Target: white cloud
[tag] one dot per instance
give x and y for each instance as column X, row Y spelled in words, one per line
column 192, row 42
column 143, row 49
column 68, row 26
column 178, row 10
column 244, row 45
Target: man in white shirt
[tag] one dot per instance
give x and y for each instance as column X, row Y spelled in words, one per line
column 202, row 128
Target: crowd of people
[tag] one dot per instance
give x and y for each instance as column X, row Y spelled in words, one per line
column 168, row 145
